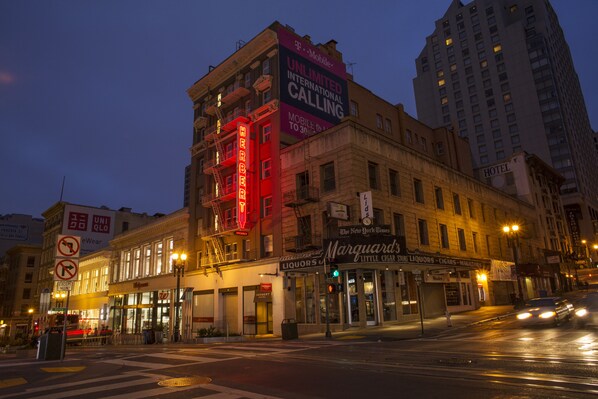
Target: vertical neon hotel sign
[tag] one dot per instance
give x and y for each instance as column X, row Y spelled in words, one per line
column 242, row 163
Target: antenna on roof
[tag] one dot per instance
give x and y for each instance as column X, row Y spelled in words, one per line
column 350, row 65
column 62, row 188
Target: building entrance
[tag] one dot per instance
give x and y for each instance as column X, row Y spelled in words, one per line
column 362, row 297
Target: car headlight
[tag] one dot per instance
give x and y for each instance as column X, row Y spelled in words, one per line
column 581, row 312
column 523, row 316
column 547, row 315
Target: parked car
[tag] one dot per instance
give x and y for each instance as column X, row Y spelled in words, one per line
column 586, row 313
column 551, row 310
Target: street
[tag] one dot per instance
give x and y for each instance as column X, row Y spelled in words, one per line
column 494, row 359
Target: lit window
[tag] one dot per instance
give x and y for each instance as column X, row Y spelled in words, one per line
column 267, row 206
column 449, row 41
column 497, row 48
column 444, row 100
column 506, row 97
column 440, row 73
column 441, row 82
column 266, row 168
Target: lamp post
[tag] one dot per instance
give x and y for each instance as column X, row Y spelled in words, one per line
column 30, row 312
column 178, row 268
column 512, row 233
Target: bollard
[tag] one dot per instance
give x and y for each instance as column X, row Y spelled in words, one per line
column 448, row 319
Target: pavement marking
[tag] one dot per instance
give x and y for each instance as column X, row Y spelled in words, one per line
column 12, row 382
column 80, row 393
column 232, row 391
column 221, row 395
column 73, row 369
column 198, row 359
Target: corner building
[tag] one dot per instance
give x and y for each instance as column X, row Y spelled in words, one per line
column 502, row 74
column 284, row 141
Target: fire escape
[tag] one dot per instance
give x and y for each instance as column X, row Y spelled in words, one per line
column 297, row 200
column 221, row 141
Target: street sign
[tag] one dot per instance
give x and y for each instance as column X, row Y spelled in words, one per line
column 64, row 285
column 68, row 246
column 66, row 269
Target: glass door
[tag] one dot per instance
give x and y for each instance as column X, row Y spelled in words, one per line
column 353, row 298
column 369, row 297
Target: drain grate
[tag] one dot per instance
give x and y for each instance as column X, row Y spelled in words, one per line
column 184, row 381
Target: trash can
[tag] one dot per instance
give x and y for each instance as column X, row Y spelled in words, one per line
column 289, row 329
column 50, row 346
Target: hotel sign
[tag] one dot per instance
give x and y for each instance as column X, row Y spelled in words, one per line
column 496, row 170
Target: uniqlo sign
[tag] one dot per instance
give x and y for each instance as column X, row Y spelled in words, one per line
column 77, row 221
column 95, row 226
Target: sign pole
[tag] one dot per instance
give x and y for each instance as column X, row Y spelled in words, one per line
column 66, row 310
column 326, row 298
column 417, row 275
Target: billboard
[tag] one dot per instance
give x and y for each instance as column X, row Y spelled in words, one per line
column 313, row 87
column 94, row 226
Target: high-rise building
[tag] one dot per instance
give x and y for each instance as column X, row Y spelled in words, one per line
column 500, row 73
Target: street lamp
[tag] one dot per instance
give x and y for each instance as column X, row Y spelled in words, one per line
column 178, row 268
column 30, row 312
column 512, row 233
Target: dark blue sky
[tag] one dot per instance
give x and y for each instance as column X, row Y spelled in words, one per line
column 96, row 90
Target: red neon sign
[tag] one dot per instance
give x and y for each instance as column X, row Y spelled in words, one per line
column 242, row 162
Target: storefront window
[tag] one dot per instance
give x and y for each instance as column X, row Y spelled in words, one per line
column 158, row 258
column 408, row 293
column 451, row 291
column 249, row 316
column 203, row 310
column 305, row 306
column 389, row 304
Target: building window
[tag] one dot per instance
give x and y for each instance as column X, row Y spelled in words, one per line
column 373, row 175
column 439, row 198
column 327, row 175
column 387, row 126
column 266, row 96
column 230, row 251
column 379, row 121
column 409, row 136
column 28, row 277
column 354, row 109
column 266, row 132
column 378, row 216
column 394, row 182
column 399, row 222
column 422, row 226
column 268, row 245
column 27, row 293
column 444, row 239
column 475, row 242
column 457, row 204
column 31, row 261
column 471, row 207
column 418, row 189
column 266, row 168
column 266, row 67
column 462, row 243
column 267, row 206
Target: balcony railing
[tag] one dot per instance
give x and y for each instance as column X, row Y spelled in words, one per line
column 301, row 196
column 228, row 159
column 225, row 194
column 302, row 243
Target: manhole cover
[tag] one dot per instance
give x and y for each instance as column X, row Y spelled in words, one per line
column 184, row 381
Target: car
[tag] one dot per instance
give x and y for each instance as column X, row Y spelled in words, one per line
column 549, row 310
column 586, row 313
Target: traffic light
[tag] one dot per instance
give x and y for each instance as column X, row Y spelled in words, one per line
column 334, row 273
column 331, row 288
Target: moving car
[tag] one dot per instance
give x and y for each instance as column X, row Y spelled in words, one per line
column 586, row 313
column 551, row 310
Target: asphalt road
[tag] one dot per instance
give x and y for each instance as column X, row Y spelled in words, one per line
column 494, row 359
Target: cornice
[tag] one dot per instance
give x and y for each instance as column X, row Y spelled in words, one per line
column 233, row 64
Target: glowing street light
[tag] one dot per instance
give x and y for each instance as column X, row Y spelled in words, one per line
column 512, row 233
column 178, row 268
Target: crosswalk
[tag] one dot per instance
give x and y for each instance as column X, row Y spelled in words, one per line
column 142, row 374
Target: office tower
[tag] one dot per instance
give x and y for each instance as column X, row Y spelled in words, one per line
column 501, row 73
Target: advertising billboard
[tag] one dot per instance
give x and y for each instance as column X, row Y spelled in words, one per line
column 94, row 226
column 313, row 87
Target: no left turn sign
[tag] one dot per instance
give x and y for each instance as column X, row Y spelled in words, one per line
column 66, row 269
column 68, row 246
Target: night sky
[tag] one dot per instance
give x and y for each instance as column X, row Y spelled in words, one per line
column 95, row 91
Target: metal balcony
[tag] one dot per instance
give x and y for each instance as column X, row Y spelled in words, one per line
column 301, row 196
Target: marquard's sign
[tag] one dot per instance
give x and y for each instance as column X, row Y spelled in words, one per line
column 378, row 249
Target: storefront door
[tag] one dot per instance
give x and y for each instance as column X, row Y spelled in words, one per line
column 369, row 292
